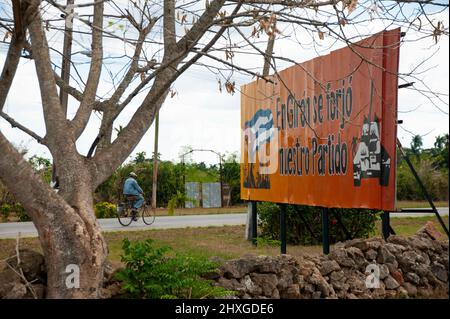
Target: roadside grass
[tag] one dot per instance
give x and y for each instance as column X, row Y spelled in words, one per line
column 420, row 204
column 223, row 243
column 409, row 226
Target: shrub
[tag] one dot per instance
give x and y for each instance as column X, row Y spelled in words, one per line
column 105, row 210
column 21, row 213
column 178, row 200
column 152, row 272
column 5, row 211
column 304, row 223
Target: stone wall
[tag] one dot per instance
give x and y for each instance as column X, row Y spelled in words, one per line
column 408, row 267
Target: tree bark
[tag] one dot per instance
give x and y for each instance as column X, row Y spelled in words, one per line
column 66, row 224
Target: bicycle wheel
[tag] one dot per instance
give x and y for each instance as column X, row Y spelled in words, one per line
column 148, row 215
column 124, row 216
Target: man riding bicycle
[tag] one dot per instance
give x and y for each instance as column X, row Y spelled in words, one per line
column 132, row 188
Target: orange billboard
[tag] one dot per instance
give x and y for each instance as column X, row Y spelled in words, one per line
column 323, row 132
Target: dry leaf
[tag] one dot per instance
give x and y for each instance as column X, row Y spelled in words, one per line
column 321, row 35
column 230, row 87
column 7, row 35
column 142, row 75
column 351, row 5
column 342, row 21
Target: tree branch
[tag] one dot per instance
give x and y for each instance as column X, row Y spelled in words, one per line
column 15, row 124
column 83, row 114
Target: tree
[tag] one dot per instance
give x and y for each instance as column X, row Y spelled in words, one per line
column 185, row 33
column 441, row 151
column 416, row 145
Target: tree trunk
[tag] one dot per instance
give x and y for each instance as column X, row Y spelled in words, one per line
column 69, row 233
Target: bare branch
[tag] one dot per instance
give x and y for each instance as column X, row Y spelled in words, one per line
column 87, row 103
column 15, row 124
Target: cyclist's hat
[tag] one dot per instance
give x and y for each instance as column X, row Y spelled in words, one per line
column 133, row 174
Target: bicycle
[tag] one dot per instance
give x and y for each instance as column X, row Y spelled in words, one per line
column 125, row 212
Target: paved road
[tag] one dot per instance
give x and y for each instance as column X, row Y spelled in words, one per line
column 27, row 229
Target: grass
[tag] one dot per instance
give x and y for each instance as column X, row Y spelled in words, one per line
column 419, row 204
column 222, row 242
column 409, row 226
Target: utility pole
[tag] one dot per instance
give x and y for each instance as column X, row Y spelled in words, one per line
column 155, row 162
column 65, row 68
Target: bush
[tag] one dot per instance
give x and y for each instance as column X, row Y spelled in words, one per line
column 105, row 210
column 21, row 213
column 150, row 272
column 304, row 223
column 5, row 211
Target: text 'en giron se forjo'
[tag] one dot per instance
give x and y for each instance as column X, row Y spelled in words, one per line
column 327, row 155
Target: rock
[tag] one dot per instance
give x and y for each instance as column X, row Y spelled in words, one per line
column 399, row 240
column 342, row 258
column 232, row 284
column 375, row 243
column 358, row 243
column 385, row 256
column 8, row 279
column 238, row 268
column 291, row 292
column 391, row 283
column 439, row 271
column 407, row 261
column 32, row 264
column 388, row 294
column 211, row 275
column 410, row 288
column 392, row 266
column 18, row 291
column 309, row 288
column 394, row 248
column 306, row 268
column 384, row 271
column 108, row 271
column 371, row 254
column 329, row 266
column 429, row 230
column 111, row 291
column 266, row 282
column 316, row 295
column 397, row 275
column 357, row 256
column 421, row 242
column 285, row 279
column 275, row 294
column 357, row 283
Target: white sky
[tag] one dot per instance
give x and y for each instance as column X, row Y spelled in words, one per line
column 202, row 117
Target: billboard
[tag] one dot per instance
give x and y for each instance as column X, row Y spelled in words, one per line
column 323, row 132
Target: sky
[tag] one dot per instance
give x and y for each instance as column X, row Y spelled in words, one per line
column 204, row 118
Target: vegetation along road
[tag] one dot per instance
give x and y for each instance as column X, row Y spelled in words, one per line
column 27, row 229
